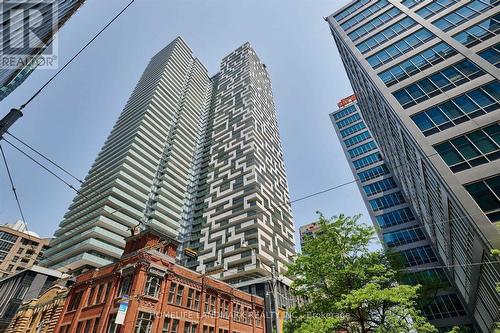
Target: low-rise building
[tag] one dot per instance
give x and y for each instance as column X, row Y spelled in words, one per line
column 22, row 287
column 40, row 314
column 145, row 291
column 19, row 248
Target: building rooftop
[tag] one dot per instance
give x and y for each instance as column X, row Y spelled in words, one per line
column 21, row 226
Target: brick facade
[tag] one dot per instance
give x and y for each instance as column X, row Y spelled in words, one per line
column 162, row 296
column 40, row 314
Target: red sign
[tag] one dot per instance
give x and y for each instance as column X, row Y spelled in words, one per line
column 344, row 101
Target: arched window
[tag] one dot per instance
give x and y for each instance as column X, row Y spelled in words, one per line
column 152, row 286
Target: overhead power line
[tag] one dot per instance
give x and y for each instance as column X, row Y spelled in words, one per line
column 76, row 55
column 116, row 210
column 141, row 222
column 46, row 158
column 355, row 180
column 16, row 196
column 41, row 165
column 13, row 188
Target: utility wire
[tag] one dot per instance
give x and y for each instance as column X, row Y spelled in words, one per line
column 116, row 210
column 46, row 158
column 41, row 165
column 293, row 201
column 12, row 184
column 354, row 180
column 16, row 196
column 296, row 200
column 77, row 54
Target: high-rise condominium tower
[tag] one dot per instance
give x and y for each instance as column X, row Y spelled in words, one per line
column 198, row 157
column 28, row 28
column 426, row 78
column 399, row 228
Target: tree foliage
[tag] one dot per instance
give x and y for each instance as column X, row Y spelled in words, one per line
column 348, row 288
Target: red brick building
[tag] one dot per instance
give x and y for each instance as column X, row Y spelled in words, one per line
column 161, row 296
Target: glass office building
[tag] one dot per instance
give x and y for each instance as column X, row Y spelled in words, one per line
column 399, row 229
column 426, row 77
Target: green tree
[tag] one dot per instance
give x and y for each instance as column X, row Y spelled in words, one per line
column 349, row 288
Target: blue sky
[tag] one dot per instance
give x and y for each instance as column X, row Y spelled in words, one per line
column 70, row 120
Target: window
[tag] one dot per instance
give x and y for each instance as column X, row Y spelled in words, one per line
column 463, row 14
column 352, row 129
column 392, row 31
column 374, row 23
column 236, row 312
column 79, row 326
column 486, row 193
column 422, row 277
column 357, row 138
column 166, row 325
column 411, row 3
column 178, row 296
column 396, row 217
column 224, row 308
column 476, row 148
column 437, row 83
column 112, row 327
column 444, row 306
column 492, row 55
column 96, row 325
column 189, row 300
column 348, row 120
column 5, row 246
column 387, row 201
column 351, row 9
column 364, row 14
column 107, row 290
column 404, row 236
column 144, row 322
column 88, row 326
column 479, row 32
column 90, row 300
column 175, row 326
column 246, row 315
column 125, row 285
column 8, row 237
column 367, row 160
column 417, row 63
column 210, row 301
column 75, row 301
column 190, row 327
column 197, row 296
column 435, row 7
column 401, row 47
column 152, row 287
column 63, row 329
column 208, row 329
column 380, row 186
column 372, row 173
column 418, row 256
column 171, row 292
column 459, row 109
column 344, row 112
column 364, row 148
column 258, row 317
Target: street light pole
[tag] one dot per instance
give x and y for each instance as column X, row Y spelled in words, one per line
column 275, row 297
column 274, row 285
